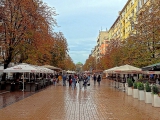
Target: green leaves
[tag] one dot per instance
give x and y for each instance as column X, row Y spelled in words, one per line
column 140, row 86
column 148, row 88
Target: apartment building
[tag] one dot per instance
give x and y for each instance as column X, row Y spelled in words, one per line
column 121, row 28
column 123, row 25
column 114, row 31
column 102, row 43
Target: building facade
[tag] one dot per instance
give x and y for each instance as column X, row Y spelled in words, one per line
column 122, row 27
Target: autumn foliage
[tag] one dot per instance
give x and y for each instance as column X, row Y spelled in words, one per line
column 27, row 33
column 142, row 47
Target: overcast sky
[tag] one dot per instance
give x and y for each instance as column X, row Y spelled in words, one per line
column 81, row 20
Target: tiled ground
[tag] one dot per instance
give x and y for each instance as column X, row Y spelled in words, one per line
column 94, row 103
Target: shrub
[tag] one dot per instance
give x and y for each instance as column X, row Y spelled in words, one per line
column 140, row 86
column 135, row 85
column 148, row 88
column 130, row 82
column 155, row 89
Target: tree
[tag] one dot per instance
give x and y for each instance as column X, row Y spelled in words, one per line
column 59, row 49
column 26, row 26
column 90, row 64
column 113, row 55
column 143, row 42
column 69, row 65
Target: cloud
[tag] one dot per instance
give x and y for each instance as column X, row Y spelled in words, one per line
column 80, row 22
column 79, row 56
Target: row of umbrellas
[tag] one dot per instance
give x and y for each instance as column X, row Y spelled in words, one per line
column 27, row 68
column 125, row 69
column 24, row 68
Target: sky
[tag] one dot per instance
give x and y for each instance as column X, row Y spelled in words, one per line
column 81, row 20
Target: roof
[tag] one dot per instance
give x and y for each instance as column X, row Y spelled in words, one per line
column 79, row 63
column 155, row 66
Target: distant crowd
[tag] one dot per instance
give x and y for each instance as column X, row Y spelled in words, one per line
column 73, row 79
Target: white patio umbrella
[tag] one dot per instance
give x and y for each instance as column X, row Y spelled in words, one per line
column 110, row 70
column 21, row 68
column 127, row 69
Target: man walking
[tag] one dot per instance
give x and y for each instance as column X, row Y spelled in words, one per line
column 94, row 78
column 64, row 79
column 99, row 79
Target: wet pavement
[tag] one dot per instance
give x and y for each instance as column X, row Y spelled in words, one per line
column 63, row 103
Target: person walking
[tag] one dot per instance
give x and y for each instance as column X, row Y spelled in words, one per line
column 80, row 81
column 99, row 79
column 88, row 80
column 64, row 79
column 60, row 79
column 73, row 82
column 70, row 80
column 85, row 78
column 94, row 78
column 54, row 80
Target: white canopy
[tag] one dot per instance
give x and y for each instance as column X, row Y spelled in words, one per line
column 110, row 70
column 71, row 72
column 127, row 69
column 21, row 68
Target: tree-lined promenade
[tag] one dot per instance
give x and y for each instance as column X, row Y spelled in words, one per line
column 140, row 49
column 27, row 34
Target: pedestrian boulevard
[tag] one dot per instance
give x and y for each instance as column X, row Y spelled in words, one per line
column 93, row 103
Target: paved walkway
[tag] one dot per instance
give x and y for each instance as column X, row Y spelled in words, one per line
column 94, row 103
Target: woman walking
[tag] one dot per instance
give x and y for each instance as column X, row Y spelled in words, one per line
column 70, row 80
column 80, row 81
column 73, row 81
column 85, row 80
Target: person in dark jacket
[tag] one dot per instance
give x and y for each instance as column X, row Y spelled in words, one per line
column 94, row 78
column 99, row 79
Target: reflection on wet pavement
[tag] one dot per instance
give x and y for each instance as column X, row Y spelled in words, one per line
column 94, row 103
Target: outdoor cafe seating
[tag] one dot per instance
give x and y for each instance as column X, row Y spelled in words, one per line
column 26, row 77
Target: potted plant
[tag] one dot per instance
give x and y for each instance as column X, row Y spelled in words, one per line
column 140, row 87
column 148, row 97
column 155, row 97
column 135, row 90
column 130, row 85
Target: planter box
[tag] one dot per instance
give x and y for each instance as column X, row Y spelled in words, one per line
column 126, row 88
column 117, row 84
column 152, row 99
column 129, row 90
column 135, row 93
column 148, row 97
column 156, row 100
column 141, row 95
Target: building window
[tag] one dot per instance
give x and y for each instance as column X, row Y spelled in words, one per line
column 139, row 4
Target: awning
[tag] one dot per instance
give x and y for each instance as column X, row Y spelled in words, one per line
column 153, row 67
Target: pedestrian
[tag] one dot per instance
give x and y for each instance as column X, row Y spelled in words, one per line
column 99, row 79
column 73, row 82
column 54, row 80
column 88, row 80
column 76, row 79
column 80, row 81
column 94, row 78
column 70, row 80
column 85, row 81
column 57, row 81
column 60, row 79
column 64, row 79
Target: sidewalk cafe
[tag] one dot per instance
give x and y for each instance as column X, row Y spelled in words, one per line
column 26, row 77
column 140, row 77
